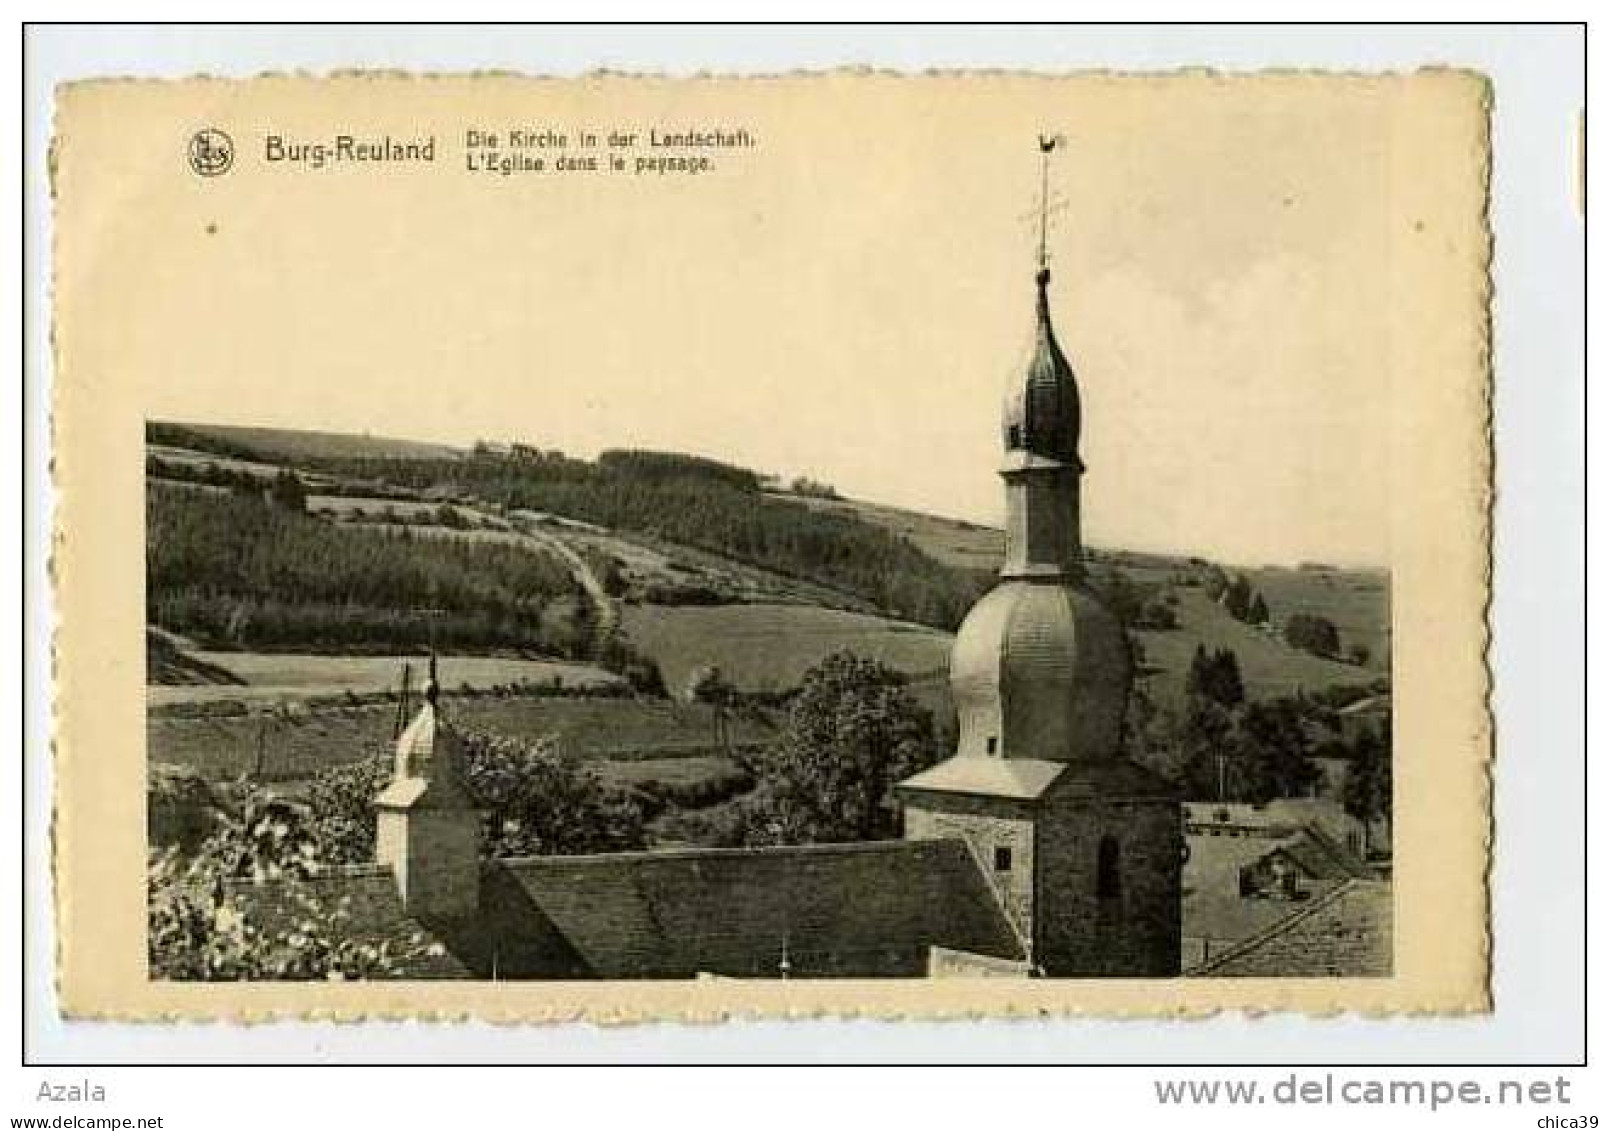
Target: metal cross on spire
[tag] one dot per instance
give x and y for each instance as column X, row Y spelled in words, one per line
column 1046, row 144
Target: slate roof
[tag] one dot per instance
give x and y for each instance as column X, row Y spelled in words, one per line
column 1346, row 933
column 1326, row 820
column 1212, row 906
column 1022, row 778
column 363, row 906
column 850, row 910
column 1029, row 779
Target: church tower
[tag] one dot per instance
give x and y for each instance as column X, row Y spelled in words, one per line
column 1084, row 846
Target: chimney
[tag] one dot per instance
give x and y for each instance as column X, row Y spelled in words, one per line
column 428, row 827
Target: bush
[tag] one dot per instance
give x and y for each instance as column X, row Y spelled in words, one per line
column 1314, row 634
column 641, row 673
column 1158, row 616
column 538, row 803
column 720, row 826
column 200, row 929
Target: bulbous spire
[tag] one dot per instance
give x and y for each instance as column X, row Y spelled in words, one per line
column 1042, row 416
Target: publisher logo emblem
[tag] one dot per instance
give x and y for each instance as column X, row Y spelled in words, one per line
column 211, row 152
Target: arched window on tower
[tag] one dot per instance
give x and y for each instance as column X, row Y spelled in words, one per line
column 1108, row 869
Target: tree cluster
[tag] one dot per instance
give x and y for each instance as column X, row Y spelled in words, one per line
column 1368, row 788
column 287, row 492
column 1215, row 675
column 1236, row 594
column 207, row 473
column 1253, row 752
column 237, row 572
column 1219, row 744
column 809, row 488
column 1136, row 606
column 693, row 502
column 673, row 467
column 853, row 732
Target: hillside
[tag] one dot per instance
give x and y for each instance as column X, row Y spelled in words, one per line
column 770, row 647
column 289, row 445
column 574, row 602
column 201, row 676
column 693, row 561
column 237, row 571
column 952, row 541
column 1268, row 666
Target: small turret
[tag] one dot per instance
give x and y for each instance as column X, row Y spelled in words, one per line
column 428, row 825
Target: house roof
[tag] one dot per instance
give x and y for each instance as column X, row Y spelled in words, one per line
column 1370, row 705
column 1346, row 933
column 1280, row 814
column 1213, row 907
column 865, row 909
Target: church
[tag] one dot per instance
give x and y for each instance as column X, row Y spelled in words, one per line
column 1036, row 850
column 1083, row 846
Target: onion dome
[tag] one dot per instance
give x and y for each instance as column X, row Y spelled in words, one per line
column 1040, row 671
column 1042, row 414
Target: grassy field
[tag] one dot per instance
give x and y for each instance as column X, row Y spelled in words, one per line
column 1358, row 602
column 358, row 507
column 952, row 541
column 294, row 444
column 295, row 745
column 267, row 677
column 201, row 459
column 770, row 647
column 612, row 729
column 1268, row 666
column 646, row 564
column 696, row 768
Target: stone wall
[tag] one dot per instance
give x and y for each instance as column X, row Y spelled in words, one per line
column 435, row 855
column 1132, row 931
column 990, row 830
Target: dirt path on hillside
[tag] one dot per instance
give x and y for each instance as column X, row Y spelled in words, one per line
column 580, row 569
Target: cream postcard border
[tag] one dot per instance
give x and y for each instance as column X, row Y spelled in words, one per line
column 1440, row 500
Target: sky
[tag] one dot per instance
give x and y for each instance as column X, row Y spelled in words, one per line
column 846, row 300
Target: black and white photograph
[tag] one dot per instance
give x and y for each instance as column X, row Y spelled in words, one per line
column 802, row 556
column 514, row 706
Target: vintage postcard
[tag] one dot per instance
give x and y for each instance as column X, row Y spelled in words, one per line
column 852, row 543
